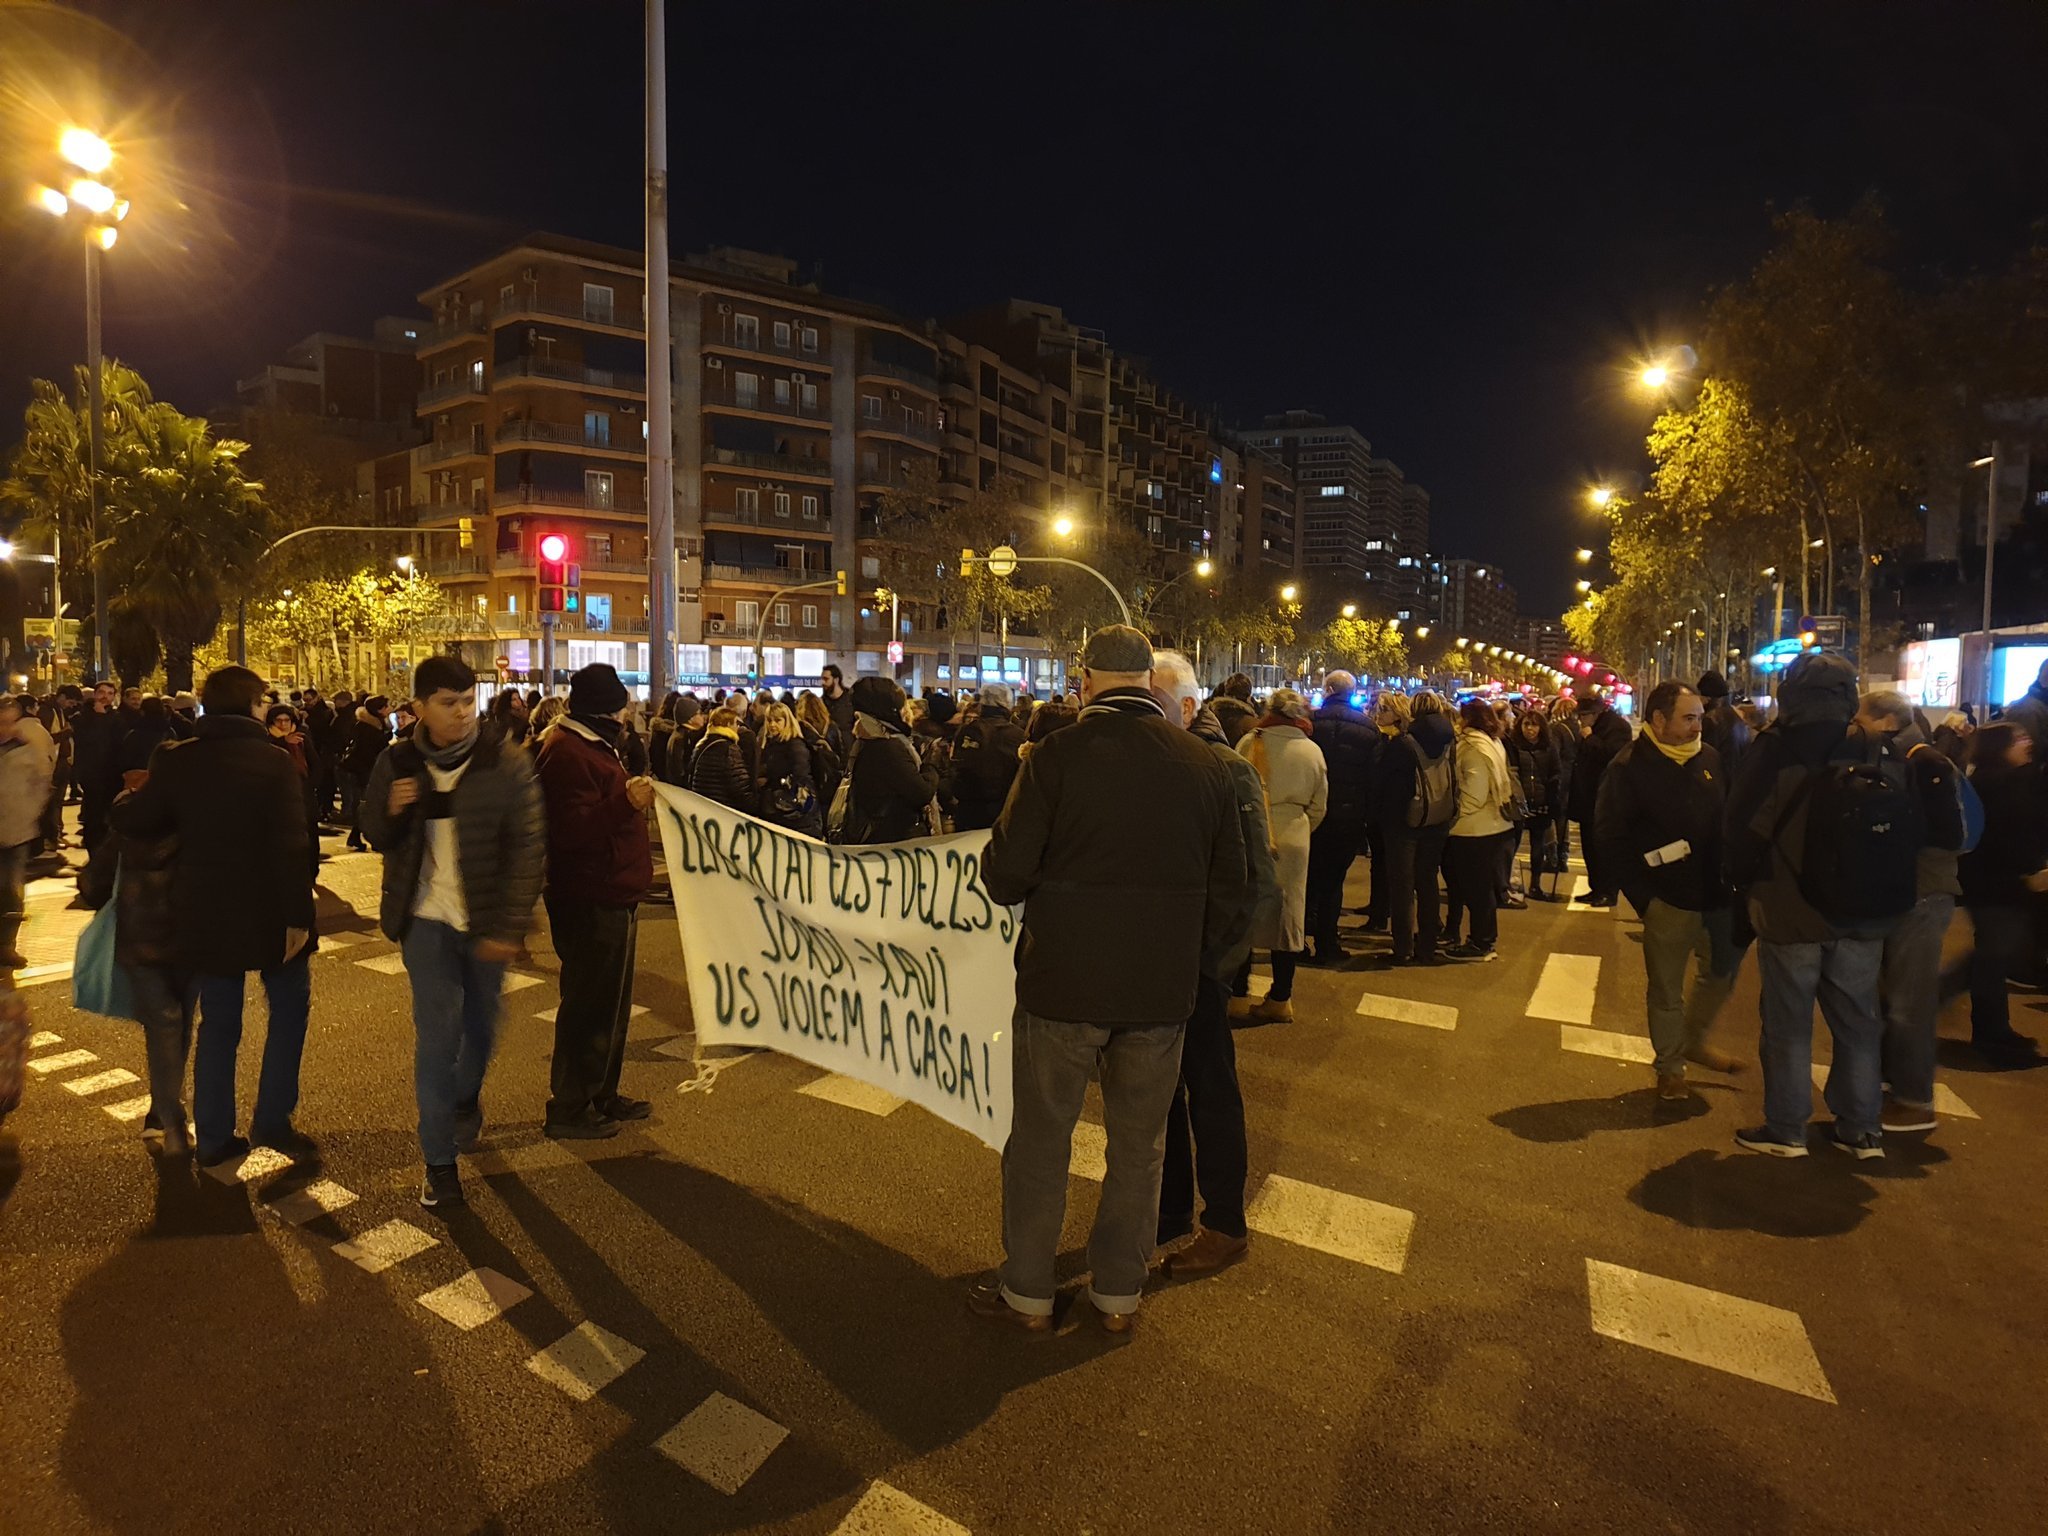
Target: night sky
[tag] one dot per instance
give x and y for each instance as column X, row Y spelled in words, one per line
column 1451, row 226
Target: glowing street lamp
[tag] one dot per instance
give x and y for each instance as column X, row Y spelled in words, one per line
column 1585, row 586
column 404, row 563
column 1585, row 556
column 1288, row 592
column 1204, row 567
column 1656, row 376
column 1063, row 527
column 1350, row 610
column 1600, row 495
column 85, row 149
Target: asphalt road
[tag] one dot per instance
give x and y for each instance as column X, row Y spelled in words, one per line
column 1459, row 1312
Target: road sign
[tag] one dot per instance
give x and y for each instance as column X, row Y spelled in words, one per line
column 895, row 653
column 1002, row 560
column 504, row 663
column 1830, row 631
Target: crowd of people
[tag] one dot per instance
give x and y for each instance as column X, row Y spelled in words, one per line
column 1159, row 844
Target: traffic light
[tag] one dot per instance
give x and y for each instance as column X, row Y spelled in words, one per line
column 465, row 532
column 553, row 571
column 966, row 562
column 839, row 583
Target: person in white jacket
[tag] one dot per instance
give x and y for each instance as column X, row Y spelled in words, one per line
column 27, row 759
column 1297, row 782
column 1472, row 855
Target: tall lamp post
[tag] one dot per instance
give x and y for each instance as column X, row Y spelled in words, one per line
column 1989, row 463
column 89, row 199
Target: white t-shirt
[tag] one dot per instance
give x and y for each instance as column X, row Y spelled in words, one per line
column 440, row 891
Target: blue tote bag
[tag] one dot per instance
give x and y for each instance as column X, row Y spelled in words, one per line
column 98, row 983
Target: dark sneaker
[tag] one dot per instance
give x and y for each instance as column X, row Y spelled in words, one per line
column 1862, row 1147
column 1763, row 1140
column 443, row 1186
column 588, row 1126
column 1599, row 901
column 226, row 1152
column 1475, row 954
column 469, row 1126
column 296, row 1145
column 1907, row 1117
column 619, row 1107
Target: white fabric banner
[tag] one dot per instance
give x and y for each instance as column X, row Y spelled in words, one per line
column 889, row 964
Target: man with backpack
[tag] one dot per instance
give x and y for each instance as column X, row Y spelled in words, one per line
column 1417, row 801
column 985, row 760
column 1602, row 735
column 1823, row 835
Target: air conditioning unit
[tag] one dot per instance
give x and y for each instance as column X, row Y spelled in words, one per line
column 895, row 394
column 716, row 626
column 796, row 378
column 725, row 309
column 716, row 365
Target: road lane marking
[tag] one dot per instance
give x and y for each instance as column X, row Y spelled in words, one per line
column 392, row 964
column 252, row 1165
column 886, row 1511
column 865, row 1097
column 585, row 1360
column 320, row 1198
column 519, row 981
column 100, row 1082
column 1605, row 1042
column 1407, row 1010
column 475, row 1299
column 129, row 1109
column 547, row 1015
column 1349, row 1226
column 1090, row 1156
column 332, row 941
column 42, row 1039
column 722, row 1442
column 1565, row 990
column 379, row 1248
column 1946, row 1100
column 680, row 1047
column 43, row 1065
column 1711, row 1328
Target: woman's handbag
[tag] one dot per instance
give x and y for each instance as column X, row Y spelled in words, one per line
column 99, row 984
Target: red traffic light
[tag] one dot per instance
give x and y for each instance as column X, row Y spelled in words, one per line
column 553, row 547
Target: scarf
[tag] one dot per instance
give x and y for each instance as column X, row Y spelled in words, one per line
column 447, row 758
column 1123, row 701
column 1268, row 720
column 729, row 732
column 1680, row 755
column 605, row 728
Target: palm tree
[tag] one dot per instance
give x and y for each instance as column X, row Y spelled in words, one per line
column 185, row 527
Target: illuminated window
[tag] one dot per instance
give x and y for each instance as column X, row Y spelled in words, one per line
column 746, row 330
column 1333, row 490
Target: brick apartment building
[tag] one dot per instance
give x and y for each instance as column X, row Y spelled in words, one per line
column 1478, row 602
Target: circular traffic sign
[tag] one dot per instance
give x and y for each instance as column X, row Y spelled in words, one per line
column 1002, row 560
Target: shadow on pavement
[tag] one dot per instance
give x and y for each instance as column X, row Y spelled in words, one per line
column 10, row 1167
column 1961, row 1056
column 1577, row 1119
column 1822, row 1195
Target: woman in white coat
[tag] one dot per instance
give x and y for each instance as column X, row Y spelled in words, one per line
column 1472, row 853
column 1297, row 782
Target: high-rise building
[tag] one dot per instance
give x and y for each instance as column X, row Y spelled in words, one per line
column 1479, row 602
column 1542, row 639
column 1361, row 523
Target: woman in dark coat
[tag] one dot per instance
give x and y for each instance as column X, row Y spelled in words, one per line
column 2002, row 878
column 786, row 787
column 718, row 768
column 889, row 789
column 1532, row 758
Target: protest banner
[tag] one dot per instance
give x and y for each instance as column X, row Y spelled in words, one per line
column 890, row 964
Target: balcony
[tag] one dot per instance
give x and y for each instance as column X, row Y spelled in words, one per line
column 455, row 567
column 463, row 447
column 555, row 369
column 437, row 395
column 442, row 332
column 623, row 502
column 782, row 522
column 566, row 434
column 764, row 345
column 777, row 463
column 618, row 319
column 902, row 426
column 765, row 575
column 764, row 402
column 871, row 369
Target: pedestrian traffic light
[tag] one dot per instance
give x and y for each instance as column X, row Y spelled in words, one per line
column 553, row 571
column 839, row 583
column 465, row 532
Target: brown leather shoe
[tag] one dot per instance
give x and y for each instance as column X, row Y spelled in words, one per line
column 985, row 1299
column 1671, row 1085
column 1116, row 1324
column 1713, row 1060
column 1208, row 1253
column 1272, row 1011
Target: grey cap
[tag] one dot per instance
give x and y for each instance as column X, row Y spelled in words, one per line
column 1117, row 648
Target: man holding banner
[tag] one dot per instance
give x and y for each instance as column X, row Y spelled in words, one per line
column 1121, row 839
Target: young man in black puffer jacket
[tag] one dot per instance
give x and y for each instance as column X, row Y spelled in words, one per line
column 1351, row 746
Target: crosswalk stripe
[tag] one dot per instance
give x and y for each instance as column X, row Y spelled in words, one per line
column 392, row 964
column 1408, row 1010
column 547, row 1015
column 722, row 1442
column 1090, row 1156
column 853, row 1094
column 43, row 1065
column 255, row 1164
column 381, row 1247
column 129, row 1109
column 886, row 1511
column 42, row 1039
column 1349, row 1226
column 100, row 1082
column 330, row 941
column 680, row 1047
column 320, row 1198
column 1946, row 1100
column 519, row 981
column 1605, row 1042
column 475, row 1299
column 585, row 1360
column 1564, row 992
column 1728, row 1333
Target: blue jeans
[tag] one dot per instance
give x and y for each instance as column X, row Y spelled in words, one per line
column 1911, row 993
column 289, row 989
column 1841, row 976
column 455, row 1023
column 2004, row 935
column 1051, row 1063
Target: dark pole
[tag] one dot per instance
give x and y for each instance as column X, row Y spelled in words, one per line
column 95, row 425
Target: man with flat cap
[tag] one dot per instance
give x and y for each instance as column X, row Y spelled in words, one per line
column 1121, row 839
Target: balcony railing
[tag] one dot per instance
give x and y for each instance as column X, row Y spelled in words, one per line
column 568, row 434
column 573, row 373
column 763, row 400
column 873, row 369
column 781, row 463
column 463, row 388
column 901, row 426
column 462, row 447
column 471, row 324
column 764, row 345
column 546, row 496
column 618, row 319
column 761, row 517
column 455, row 565
column 766, row 575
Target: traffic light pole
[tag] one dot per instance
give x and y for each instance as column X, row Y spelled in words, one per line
column 837, row 584
column 661, row 468
column 547, row 652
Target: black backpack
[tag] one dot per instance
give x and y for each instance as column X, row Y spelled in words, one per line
column 1435, row 801
column 1860, row 849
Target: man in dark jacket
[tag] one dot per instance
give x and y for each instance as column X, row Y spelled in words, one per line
column 96, row 734
column 1121, row 839
column 1233, row 708
column 369, row 737
column 985, row 760
column 1658, row 825
column 1351, row 746
column 599, row 868
column 1208, row 1105
column 457, row 815
column 1602, row 734
column 152, row 729
column 244, row 902
column 889, row 786
column 839, row 705
column 319, row 722
column 1722, row 728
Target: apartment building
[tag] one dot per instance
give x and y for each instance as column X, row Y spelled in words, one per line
column 1271, row 515
column 1542, row 639
column 342, row 378
column 1479, row 602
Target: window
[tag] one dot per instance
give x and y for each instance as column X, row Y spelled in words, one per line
column 871, row 407
column 1332, row 490
column 476, row 374
column 810, row 615
column 810, row 508
column 597, row 548
column 870, row 566
column 782, row 393
column 696, row 659
column 782, row 335
column 782, row 615
column 511, row 602
column 597, row 428
column 747, row 615
column 746, row 389
column 782, row 503
column 809, row 338
column 1375, row 544
column 810, row 397
column 870, row 463
column 789, row 557
column 746, row 331
column 746, row 501
column 597, row 488
column 508, row 296
column 597, row 303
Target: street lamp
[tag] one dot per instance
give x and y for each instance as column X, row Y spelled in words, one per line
column 1422, row 632
column 1656, row 376
column 1585, row 586
column 404, row 563
column 1600, row 495
column 1585, row 557
column 1350, row 610
column 1204, row 567
column 1063, row 526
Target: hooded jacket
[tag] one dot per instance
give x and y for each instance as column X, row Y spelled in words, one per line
column 1351, row 747
column 598, row 849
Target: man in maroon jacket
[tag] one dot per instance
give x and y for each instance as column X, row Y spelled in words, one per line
column 599, row 867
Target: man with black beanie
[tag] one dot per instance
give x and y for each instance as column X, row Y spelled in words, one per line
column 600, row 866
column 1721, row 728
